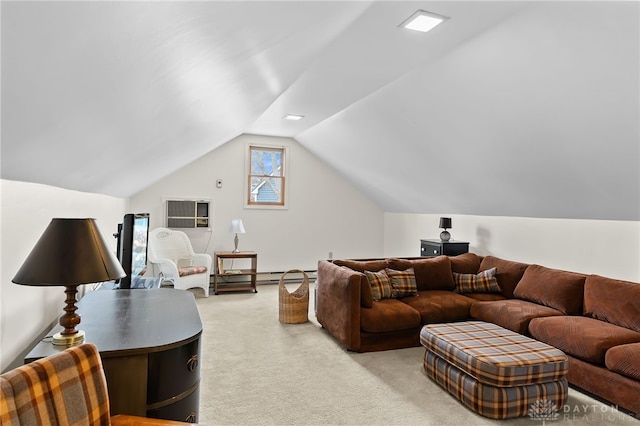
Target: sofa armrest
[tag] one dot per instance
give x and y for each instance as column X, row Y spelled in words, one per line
column 338, row 302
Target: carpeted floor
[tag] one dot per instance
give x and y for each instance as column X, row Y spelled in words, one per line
column 257, row 371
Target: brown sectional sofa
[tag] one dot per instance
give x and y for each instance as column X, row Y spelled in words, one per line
column 594, row 320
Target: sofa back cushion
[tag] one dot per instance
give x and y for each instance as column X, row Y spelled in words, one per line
column 613, row 301
column 508, row 273
column 432, row 273
column 561, row 290
column 373, row 265
column 467, row 263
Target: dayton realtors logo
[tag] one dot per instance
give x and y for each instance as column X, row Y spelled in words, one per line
column 544, row 410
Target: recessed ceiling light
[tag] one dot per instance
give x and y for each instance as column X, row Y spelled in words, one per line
column 423, row 21
column 293, row 117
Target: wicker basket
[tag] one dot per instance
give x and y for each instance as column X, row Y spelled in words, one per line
column 294, row 307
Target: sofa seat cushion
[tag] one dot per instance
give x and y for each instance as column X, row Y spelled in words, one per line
column 585, row 338
column 437, row 306
column 614, row 301
column 561, row 290
column 388, row 315
column 624, row 359
column 508, row 273
column 432, row 273
column 512, row 314
column 485, row 296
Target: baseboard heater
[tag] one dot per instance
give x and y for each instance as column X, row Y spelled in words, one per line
column 274, row 277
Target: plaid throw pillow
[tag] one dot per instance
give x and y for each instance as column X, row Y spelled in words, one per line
column 380, row 284
column 403, row 283
column 484, row 282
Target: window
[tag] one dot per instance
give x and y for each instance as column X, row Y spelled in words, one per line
column 266, row 179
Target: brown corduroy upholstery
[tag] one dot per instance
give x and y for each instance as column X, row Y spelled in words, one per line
column 554, row 288
column 614, row 301
column 512, row 314
column 624, row 359
column 581, row 337
column 467, row 263
column 508, row 274
column 439, row 306
column 432, row 273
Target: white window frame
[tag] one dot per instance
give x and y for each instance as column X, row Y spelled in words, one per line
column 284, row 174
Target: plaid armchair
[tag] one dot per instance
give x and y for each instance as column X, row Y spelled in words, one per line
column 68, row 388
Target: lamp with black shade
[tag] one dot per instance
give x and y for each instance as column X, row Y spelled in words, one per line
column 445, row 223
column 70, row 252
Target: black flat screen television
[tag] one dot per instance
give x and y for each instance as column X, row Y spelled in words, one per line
column 133, row 236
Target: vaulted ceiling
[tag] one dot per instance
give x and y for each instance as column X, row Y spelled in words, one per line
column 508, row 108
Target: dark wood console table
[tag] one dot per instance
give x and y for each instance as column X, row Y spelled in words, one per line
column 149, row 342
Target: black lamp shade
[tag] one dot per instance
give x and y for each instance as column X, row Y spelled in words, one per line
column 445, row 222
column 69, row 252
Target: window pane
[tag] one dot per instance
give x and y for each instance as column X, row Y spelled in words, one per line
column 266, row 162
column 266, row 190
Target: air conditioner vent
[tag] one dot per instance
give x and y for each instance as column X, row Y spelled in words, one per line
column 188, row 213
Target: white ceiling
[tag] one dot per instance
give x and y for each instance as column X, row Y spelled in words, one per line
column 508, row 108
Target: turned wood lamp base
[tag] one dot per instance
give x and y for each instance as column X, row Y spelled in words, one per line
column 69, row 320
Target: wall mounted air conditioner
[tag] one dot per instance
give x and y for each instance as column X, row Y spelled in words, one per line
column 188, row 213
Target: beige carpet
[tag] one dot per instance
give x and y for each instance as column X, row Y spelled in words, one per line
column 257, row 371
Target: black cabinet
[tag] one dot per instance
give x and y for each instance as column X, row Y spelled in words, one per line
column 432, row 248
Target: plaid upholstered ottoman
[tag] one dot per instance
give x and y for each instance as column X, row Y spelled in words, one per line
column 493, row 371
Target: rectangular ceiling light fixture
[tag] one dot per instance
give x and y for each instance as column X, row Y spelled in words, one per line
column 293, row 117
column 423, row 21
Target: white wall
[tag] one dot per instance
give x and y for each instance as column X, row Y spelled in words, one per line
column 608, row 248
column 325, row 213
column 26, row 211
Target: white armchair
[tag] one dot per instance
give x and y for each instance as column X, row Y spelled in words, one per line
column 171, row 253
